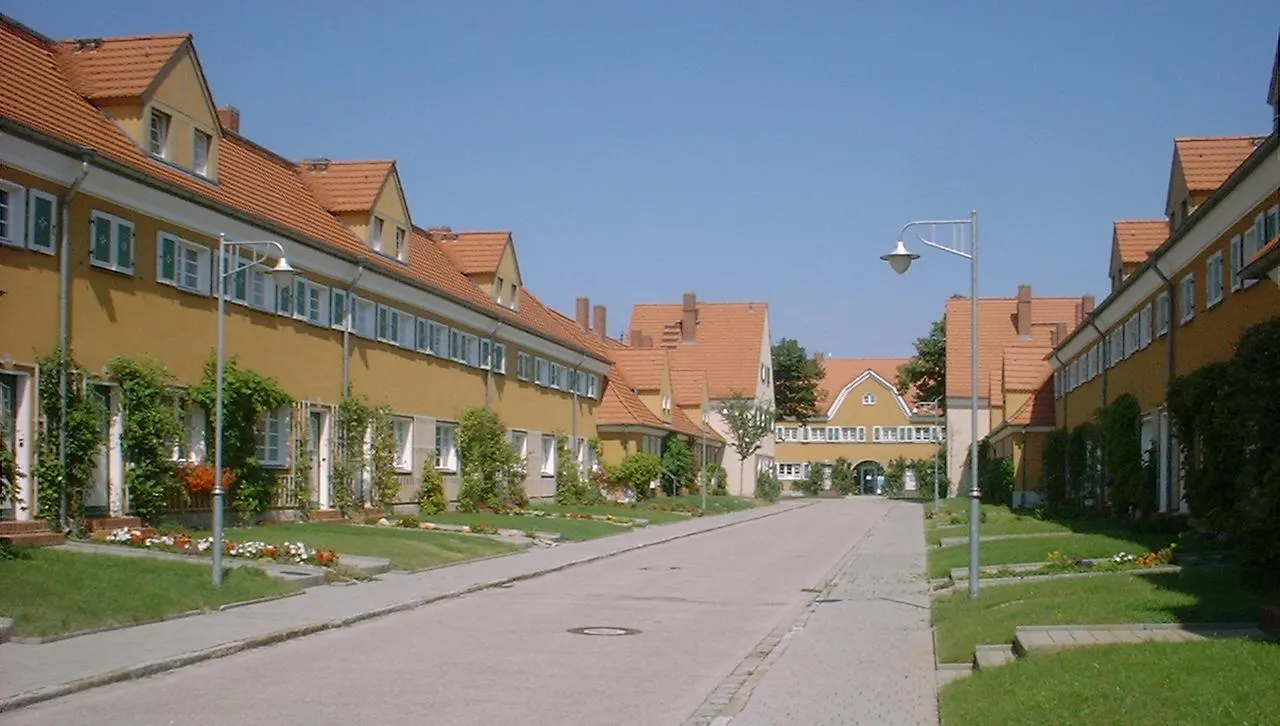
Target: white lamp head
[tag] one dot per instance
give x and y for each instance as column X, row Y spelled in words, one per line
column 900, row 259
column 282, row 272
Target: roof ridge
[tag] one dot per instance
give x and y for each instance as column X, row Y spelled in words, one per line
column 1235, row 137
column 144, row 36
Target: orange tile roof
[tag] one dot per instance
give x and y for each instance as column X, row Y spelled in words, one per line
column 252, row 181
column 116, row 68
column 998, row 329
column 620, row 406
column 1207, row 161
column 1025, row 367
column 728, row 341
column 840, row 372
column 1136, row 239
column 1038, row 409
column 474, row 252
column 688, row 386
column 682, row 423
column 642, row 366
column 345, row 186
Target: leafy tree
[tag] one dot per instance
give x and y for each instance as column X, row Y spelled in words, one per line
column 927, row 369
column 812, row 484
column 636, row 471
column 796, row 376
column 492, row 472
column 677, row 464
column 749, row 421
column 843, row 477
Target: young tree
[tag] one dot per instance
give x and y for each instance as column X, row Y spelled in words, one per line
column 749, row 421
column 927, row 369
column 795, row 381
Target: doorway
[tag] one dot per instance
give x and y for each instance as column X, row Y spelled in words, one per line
column 870, row 477
column 318, row 454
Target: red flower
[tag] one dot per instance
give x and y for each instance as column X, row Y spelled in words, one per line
column 199, row 478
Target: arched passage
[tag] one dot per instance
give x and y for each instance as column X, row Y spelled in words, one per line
column 870, row 476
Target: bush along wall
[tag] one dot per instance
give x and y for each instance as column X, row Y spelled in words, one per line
column 1054, row 468
column 84, row 416
column 1120, row 432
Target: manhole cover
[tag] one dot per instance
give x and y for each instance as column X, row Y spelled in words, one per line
column 674, row 567
column 604, row 630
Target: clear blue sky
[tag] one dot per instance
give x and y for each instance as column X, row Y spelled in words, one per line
column 743, row 150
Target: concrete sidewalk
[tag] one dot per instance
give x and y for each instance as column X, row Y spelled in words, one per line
column 33, row 673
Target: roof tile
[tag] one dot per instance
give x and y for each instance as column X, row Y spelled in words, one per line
column 116, row 68
column 345, row 186
column 727, row 345
column 1136, row 239
column 998, row 329
column 473, row 252
column 1207, row 161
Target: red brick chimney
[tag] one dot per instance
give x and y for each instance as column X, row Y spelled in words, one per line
column 229, row 118
column 635, row 338
column 1059, row 334
column 599, row 325
column 689, row 318
column 584, row 314
column 1086, row 305
column 1024, row 311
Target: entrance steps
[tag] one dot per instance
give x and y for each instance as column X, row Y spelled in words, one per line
column 31, row 533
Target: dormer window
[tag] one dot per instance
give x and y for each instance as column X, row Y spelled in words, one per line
column 500, row 288
column 400, row 236
column 375, row 234
column 159, row 133
column 200, row 155
column 514, row 299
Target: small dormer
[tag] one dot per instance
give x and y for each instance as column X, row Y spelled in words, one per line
column 154, row 89
column 1200, row 167
column 488, row 259
column 1132, row 242
column 367, row 197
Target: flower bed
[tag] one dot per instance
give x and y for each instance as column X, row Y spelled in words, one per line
column 573, row 515
column 1059, row 563
column 295, row 553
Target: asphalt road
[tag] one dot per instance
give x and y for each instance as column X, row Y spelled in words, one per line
column 700, row 605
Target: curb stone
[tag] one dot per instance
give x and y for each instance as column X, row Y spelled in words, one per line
column 6, row 629
column 161, row 665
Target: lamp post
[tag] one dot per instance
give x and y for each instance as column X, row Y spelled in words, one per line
column 282, row 273
column 900, row 260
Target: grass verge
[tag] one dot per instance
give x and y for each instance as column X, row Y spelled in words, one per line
column 659, row 511
column 52, row 592
column 570, row 530
column 1017, row 551
column 1215, row 682
column 1216, row 595
column 408, row 549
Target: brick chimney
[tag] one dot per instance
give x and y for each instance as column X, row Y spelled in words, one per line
column 635, row 338
column 689, row 318
column 1024, row 311
column 229, row 118
column 1086, row 305
column 1059, row 334
column 584, row 314
column 819, row 357
column 598, row 325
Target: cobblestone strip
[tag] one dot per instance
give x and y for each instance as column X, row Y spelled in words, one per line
column 729, row 698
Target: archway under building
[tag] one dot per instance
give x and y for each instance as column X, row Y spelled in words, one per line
column 870, row 476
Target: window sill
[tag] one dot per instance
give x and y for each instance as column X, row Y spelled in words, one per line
column 273, row 465
column 126, row 271
column 444, row 470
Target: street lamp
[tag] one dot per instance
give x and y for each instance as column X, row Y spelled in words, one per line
column 900, row 260
column 282, row 273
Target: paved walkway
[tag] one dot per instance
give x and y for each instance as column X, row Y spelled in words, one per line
column 1052, row 638
column 865, row 656
column 46, row 669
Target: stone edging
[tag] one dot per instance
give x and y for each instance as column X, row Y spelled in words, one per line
column 182, row 660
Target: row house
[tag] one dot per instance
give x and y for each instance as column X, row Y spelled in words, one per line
column 119, row 176
column 727, row 345
column 864, row 419
column 1022, row 414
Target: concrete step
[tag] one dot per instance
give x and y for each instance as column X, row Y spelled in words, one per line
column 33, row 539
column 30, row 526
column 992, row 656
column 325, row 515
column 106, row 524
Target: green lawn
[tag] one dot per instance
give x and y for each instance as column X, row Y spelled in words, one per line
column 51, row 592
column 1014, row 551
column 1216, row 595
column 570, row 530
column 658, row 511
column 1160, row 684
column 408, row 549
column 715, row 504
column 1018, row 525
column 655, row 516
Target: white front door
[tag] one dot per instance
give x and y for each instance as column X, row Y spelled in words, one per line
column 10, row 388
column 318, row 445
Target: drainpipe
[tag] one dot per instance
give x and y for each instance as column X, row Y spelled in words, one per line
column 1066, row 460
column 1102, row 337
column 346, row 332
column 488, row 376
column 1171, row 363
column 64, row 326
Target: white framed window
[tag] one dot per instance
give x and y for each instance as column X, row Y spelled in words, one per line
column 422, row 335
column 310, row 302
column 339, row 310
column 446, row 446
column 262, row 290
column 784, row 433
column 513, row 300
column 1250, row 244
column 500, row 358
column 235, row 286
column 159, row 138
column 1115, row 345
column 1144, row 327
column 388, row 325
column 548, row 467
column 183, row 264
column 42, row 221
column 1271, row 226
column 403, row 429
column 400, row 244
column 455, row 345
column 520, row 444
column 273, row 437
column 541, row 372
column 1213, row 282
column 1163, row 314
column 191, row 444
column 375, row 234
column 13, row 205
column 499, row 289
column 868, row 399
column 557, row 376
column 1187, row 298
column 522, row 366
column 593, row 386
column 486, row 353
column 364, row 317
column 1237, row 260
column 200, row 154
column 1131, row 336
column 112, row 243
column 790, row 471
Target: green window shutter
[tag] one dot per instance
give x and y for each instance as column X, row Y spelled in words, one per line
column 124, row 246
column 338, row 308
column 100, row 252
column 241, row 290
column 167, row 263
column 286, row 300
column 42, row 223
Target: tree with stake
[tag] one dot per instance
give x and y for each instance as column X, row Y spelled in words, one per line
column 749, row 421
column 926, row 371
column 795, row 381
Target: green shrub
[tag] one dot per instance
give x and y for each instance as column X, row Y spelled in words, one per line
column 768, row 488
column 431, row 498
column 812, row 484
